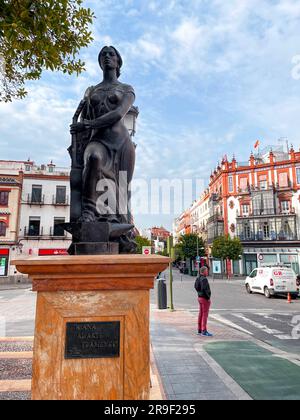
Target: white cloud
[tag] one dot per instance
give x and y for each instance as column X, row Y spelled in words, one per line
column 37, row 127
column 210, row 77
column 189, row 34
column 149, row 50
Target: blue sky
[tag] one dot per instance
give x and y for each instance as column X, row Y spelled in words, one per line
column 210, row 76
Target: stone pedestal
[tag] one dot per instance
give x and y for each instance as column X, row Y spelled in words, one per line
column 92, row 326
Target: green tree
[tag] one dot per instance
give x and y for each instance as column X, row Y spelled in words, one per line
column 40, row 35
column 227, row 248
column 190, row 245
column 141, row 241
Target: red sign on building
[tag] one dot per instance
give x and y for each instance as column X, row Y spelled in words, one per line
column 48, row 252
column 4, row 252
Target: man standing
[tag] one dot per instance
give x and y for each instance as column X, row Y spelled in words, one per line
column 204, row 295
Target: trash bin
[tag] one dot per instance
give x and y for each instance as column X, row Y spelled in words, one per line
column 161, row 294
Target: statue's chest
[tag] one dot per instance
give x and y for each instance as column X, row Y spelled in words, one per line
column 104, row 101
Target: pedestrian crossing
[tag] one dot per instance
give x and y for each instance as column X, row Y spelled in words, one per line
column 257, row 325
column 283, row 326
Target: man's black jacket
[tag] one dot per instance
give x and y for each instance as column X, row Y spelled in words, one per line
column 203, row 288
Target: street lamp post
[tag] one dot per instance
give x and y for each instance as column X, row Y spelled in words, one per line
column 198, row 258
column 130, row 120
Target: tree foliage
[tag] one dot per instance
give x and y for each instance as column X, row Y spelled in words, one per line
column 40, row 35
column 226, row 247
column 189, row 247
column 141, row 241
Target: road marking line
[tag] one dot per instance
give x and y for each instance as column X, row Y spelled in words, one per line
column 229, row 324
column 228, row 310
column 257, row 325
column 285, row 337
column 241, row 309
column 289, row 324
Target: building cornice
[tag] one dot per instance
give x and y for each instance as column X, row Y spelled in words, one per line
column 47, row 177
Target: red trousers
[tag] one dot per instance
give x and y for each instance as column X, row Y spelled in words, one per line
column 203, row 313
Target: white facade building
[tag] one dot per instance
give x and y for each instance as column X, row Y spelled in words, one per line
column 45, row 204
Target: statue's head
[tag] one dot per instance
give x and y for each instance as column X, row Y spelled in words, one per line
column 110, row 58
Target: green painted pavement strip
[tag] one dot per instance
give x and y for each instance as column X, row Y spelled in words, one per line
column 263, row 375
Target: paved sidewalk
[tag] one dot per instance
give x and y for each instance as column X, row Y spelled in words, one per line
column 15, row 368
column 16, row 355
column 185, row 365
column 187, row 372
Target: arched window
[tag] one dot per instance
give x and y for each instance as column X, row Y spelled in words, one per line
column 3, row 229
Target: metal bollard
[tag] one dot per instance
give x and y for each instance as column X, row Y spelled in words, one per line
column 161, row 294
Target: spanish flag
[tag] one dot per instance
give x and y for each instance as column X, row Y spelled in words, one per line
column 257, row 144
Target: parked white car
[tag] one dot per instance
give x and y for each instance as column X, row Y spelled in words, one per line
column 272, row 281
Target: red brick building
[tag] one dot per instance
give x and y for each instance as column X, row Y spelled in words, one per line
column 259, row 202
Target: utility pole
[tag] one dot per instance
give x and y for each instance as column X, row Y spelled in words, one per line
column 171, row 253
column 198, row 256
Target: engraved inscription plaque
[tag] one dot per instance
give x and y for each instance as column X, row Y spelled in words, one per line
column 92, row 340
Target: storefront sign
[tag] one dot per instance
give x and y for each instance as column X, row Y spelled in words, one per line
column 4, row 252
column 48, row 252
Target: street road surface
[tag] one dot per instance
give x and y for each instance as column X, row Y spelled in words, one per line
column 273, row 321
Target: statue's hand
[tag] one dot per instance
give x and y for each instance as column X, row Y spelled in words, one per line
column 88, row 124
column 77, row 128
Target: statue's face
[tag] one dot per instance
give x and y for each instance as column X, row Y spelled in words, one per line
column 109, row 59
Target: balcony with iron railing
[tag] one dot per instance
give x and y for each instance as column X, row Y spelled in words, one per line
column 271, row 237
column 35, row 233
column 42, row 233
column 269, row 186
column 216, row 197
column 58, row 232
column 215, row 227
column 265, row 212
column 35, row 200
column 215, row 219
column 60, row 201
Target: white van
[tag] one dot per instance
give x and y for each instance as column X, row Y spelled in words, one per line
column 272, row 281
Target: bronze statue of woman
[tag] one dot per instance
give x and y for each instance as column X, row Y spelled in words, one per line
column 110, row 151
